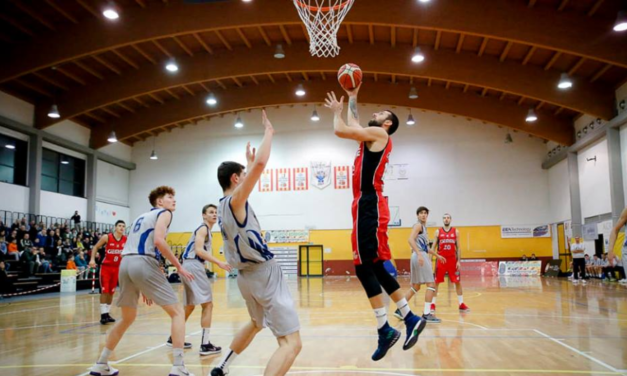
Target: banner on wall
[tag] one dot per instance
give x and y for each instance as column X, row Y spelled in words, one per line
column 286, row 236
column 283, row 179
column 301, row 178
column 520, row 268
column 513, row 232
column 342, row 180
column 590, row 232
column 320, row 174
column 266, row 183
column 398, row 171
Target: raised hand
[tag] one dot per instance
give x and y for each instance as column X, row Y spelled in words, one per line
column 250, row 154
column 266, row 123
column 353, row 92
column 333, row 104
column 225, row 266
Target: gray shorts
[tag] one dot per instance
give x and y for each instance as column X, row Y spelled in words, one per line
column 143, row 274
column 197, row 291
column 421, row 274
column 268, row 299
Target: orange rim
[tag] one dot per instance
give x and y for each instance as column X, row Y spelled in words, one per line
column 324, row 9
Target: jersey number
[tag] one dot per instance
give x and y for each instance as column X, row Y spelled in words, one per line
column 447, row 247
column 138, row 224
column 116, row 258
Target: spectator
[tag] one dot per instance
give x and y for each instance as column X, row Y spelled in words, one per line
column 71, row 265
column 3, row 245
column 20, row 233
column 41, row 237
column 524, row 258
column 15, row 225
column 79, row 245
column 596, row 266
column 578, row 251
column 606, row 269
column 13, row 235
column 76, row 218
column 28, row 260
column 33, row 230
column 60, row 256
column 12, row 250
column 25, row 243
column 45, row 266
column 50, row 244
column 3, row 278
column 589, row 270
column 533, row 257
column 81, row 263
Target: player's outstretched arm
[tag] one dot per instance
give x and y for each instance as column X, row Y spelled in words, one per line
column 199, row 241
column 614, row 234
column 161, row 229
column 353, row 113
column 92, row 259
column 257, row 162
column 370, row 134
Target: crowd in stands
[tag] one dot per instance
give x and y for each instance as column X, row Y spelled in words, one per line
column 42, row 249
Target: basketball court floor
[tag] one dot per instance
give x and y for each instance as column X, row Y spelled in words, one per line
column 517, row 326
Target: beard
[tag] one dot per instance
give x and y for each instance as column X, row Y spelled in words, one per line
column 374, row 123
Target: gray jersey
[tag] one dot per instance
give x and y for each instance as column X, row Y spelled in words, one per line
column 422, row 241
column 190, row 250
column 141, row 239
column 243, row 244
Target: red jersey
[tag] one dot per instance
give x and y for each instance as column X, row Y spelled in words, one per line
column 447, row 242
column 368, row 169
column 113, row 251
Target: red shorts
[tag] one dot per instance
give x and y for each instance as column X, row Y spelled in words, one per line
column 449, row 267
column 108, row 279
column 369, row 238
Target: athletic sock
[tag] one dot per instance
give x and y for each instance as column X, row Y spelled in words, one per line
column 205, row 336
column 427, row 309
column 228, row 358
column 403, row 307
column 104, row 356
column 433, row 300
column 178, row 357
column 108, row 308
column 382, row 317
column 460, row 299
column 103, row 309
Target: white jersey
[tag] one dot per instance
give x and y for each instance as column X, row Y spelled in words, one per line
column 141, row 239
column 422, row 240
column 243, row 244
column 190, row 250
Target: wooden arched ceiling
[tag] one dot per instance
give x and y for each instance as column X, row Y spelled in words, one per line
column 102, row 72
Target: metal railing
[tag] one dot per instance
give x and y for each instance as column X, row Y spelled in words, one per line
column 9, row 217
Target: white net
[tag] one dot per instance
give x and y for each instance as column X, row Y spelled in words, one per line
column 322, row 18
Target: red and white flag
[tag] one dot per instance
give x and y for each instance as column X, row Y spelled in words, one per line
column 341, row 174
column 283, row 179
column 301, row 178
column 266, row 181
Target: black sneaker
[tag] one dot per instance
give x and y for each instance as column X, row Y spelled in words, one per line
column 109, row 318
column 187, row 345
column 388, row 336
column 217, row 372
column 103, row 319
column 210, row 349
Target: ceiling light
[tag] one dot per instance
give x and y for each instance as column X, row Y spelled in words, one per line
column 54, row 112
column 300, row 90
column 239, row 123
column 508, row 138
column 247, row 1
column 621, row 21
column 153, row 155
column 111, row 14
column 314, row 115
column 10, row 146
column 64, row 160
column 531, row 116
column 211, row 100
column 418, row 56
column 565, row 82
column 410, row 119
column 171, row 66
column 424, row 1
column 112, row 137
column 413, row 93
column 278, row 52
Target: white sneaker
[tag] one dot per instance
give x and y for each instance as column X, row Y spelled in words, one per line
column 180, row 371
column 575, row 281
column 100, row 369
column 584, row 282
column 622, row 281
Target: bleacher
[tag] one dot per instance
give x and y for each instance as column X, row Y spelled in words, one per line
column 20, row 282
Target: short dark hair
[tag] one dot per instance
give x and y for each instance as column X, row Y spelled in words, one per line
column 204, row 208
column 120, row 221
column 158, row 193
column 445, row 214
column 394, row 120
column 422, row 208
column 225, row 171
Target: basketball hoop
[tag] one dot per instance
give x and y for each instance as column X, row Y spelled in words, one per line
column 322, row 18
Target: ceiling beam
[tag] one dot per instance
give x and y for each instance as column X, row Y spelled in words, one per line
column 437, row 99
column 444, row 65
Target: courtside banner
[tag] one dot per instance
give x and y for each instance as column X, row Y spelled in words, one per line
column 479, row 268
column 520, row 268
column 513, row 232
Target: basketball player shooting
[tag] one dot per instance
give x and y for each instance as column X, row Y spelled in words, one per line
column 371, row 215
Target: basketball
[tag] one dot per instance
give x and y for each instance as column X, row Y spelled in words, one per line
column 349, row 76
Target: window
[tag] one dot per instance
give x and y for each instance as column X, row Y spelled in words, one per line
column 13, row 159
column 62, row 174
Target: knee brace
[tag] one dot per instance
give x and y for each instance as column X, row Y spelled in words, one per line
column 431, row 288
column 414, row 290
column 389, row 283
column 368, row 280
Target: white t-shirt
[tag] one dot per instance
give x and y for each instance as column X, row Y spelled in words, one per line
column 578, row 247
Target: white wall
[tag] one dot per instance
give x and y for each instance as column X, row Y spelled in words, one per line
column 16, row 109
column 594, row 180
column 113, row 184
column 71, row 131
column 62, row 206
column 118, row 150
column 559, row 192
column 14, row 198
column 107, row 213
column 458, row 166
column 61, row 149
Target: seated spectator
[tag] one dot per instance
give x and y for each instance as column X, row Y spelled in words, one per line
column 533, row 257
column 29, row 262
column 41, row 235
column 3, row 245
column 32, row 230
column 25, row 243
column 81, row 263
column 606, row 268
column 3, row 278
column 71, row 265
column 12, row 250
column 524, row 258
column 12, row 235
column 79, row 245
column 21, row 231
column 40, row 259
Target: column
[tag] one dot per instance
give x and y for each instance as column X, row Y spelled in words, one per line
column 92, row 178
column 35, row 157
column 575, row 196
column 617, row 194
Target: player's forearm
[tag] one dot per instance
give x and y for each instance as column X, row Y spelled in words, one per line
column 339, row 126
column 263, row 153
column 353, row 113
column 200, row 252
column 412, row 245
column 613, row 236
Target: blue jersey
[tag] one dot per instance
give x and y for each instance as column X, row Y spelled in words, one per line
column 141, row 239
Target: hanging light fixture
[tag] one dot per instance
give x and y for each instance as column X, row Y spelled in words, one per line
column 531, row 116
column 110, row 13
column 54, row 112
column 212, row 100
column 171, row 66
column 238, row 122
column 413, row 93
column 621, row 21
column 112, row 137
column 565, row 82
column 278, row 52
column 418, row 56
column 153, row 155
column 300, row 90
column 314, row 115
column 410, row 119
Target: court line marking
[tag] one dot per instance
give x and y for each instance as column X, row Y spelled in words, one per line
column 589, row 357
column 467, row 323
